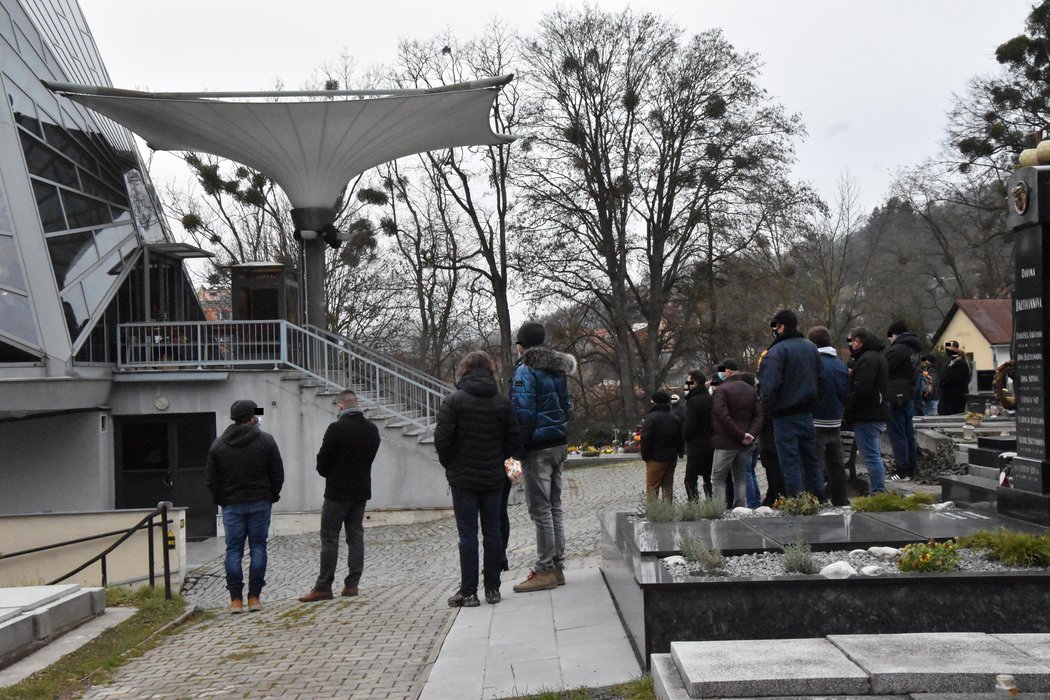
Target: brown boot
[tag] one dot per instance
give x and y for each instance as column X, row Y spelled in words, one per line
column 349, row 591
column 537, row 581
column 315, row 595
column 253, row 603
column 236, row 606
column 559, row 575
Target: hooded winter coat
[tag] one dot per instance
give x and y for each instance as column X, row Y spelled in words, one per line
column 697, row 428
column 540, row 394
column 866, row 400
column 345, row 459
column 902, row 360
column 661, row 435
column 244, row 466
column 476, row 431
column 954, row 383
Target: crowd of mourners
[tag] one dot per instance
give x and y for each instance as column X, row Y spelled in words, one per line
column 790, row 414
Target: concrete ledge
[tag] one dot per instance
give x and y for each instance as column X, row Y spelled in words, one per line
column 767, row 667
column 940, row 662
column 667, row 682
column 16, row 639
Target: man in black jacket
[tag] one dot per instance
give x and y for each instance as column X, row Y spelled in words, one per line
column 866, row 401
column 696, row 431
column 661, row 445
column 345, row 460
column 954, row 381
column 245, row 475
column 902, row 360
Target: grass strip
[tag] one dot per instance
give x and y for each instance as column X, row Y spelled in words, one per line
column 95, row 662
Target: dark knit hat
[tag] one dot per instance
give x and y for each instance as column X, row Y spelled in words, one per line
column 896, row 328
column 661, row 397
column 531, row 334
column 728, row 363
column 786, row 317
column 243, row 410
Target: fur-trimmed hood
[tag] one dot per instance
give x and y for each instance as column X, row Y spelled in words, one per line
column 547, row 359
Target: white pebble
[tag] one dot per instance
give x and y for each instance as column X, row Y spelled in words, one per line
column 674, row 560
column 947, row 505
column 858, row 552
column 839, row 569
column 741, row 510
column 871, row 570
column 764, row 510
column 885, row 552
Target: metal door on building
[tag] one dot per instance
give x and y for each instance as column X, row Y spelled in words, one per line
column 162, row 458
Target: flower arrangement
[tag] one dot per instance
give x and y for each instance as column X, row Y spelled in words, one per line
column 973, row 418
column 802, row 504
column 929, row 556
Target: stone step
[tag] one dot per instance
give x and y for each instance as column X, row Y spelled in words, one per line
column 985, row 472
column 32, row 616
column 899, row 665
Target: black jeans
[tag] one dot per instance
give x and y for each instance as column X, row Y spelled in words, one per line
column 771, row 463
column 469, row 505
column 335, row 516
column 829, row 454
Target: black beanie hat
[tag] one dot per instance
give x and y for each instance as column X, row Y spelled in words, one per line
column 661, row 397
column 786, row 317
column 896, row 328
column 531, row 334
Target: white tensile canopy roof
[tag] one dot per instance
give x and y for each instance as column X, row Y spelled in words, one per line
column 311, row 149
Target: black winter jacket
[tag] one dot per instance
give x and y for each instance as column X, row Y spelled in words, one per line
column 661, row 435
column 244, row 466
column 902, row 360
column 867, row 399
column 789, row 375
column 697, row 429
column 476, row 431
column 954, row 383
column 345, row 459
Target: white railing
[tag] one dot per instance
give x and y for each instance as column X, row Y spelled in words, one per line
column 382, row 384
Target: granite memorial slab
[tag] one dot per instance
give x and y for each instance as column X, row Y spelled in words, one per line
column 824, row 533
column 732, row 537
column 948, row 524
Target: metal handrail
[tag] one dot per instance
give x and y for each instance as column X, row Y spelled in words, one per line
column 396, row 390
column 146, row 521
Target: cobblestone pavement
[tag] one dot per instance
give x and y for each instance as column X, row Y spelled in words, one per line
column 378, row 645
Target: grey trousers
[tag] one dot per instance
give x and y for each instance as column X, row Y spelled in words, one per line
column 542, row 472
column 730, row 462
column 335, row 516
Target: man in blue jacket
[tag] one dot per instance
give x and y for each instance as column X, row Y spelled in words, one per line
column 540, row 394
column 790, row 382
column 827, row 414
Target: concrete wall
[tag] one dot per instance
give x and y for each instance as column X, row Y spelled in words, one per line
column 128, row 563
column 56, row 464
column 405, row 475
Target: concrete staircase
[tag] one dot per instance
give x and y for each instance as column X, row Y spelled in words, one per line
column 34, row 616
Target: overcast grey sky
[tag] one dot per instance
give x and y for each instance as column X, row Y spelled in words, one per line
column 872, row 80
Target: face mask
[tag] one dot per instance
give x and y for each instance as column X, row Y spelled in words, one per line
column 949, row 352
column 721, row 376
column 258, row 425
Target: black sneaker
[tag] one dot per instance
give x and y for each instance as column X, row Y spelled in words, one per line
column 492, row 597
column 463, row 601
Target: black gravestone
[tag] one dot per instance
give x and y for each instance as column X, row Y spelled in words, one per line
column 1028, row 215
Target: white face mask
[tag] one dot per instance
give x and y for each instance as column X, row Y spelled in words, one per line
column 721, row 376
column 259, row 423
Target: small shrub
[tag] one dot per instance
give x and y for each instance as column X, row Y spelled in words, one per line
column 707, row 559
column 929, row 556
column 658, row 510
column 798, row 559
column 889, row 502
column 1011, row 548
column 701, row 509
column 802, row 504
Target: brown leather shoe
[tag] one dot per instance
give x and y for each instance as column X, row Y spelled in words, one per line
column 315, row 595
column 253, row 603
column 236, row 606
column 559, row 576
column 349, row 591
column 537, row 581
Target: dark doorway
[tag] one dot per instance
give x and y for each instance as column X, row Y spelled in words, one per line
column 162, row 458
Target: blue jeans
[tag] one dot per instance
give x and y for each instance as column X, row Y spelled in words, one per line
column 249, row 521
column 866, row 435
column 754, row 493
column 542, row 473
column 468, row 505
column 797, row 451
column 901, row 430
